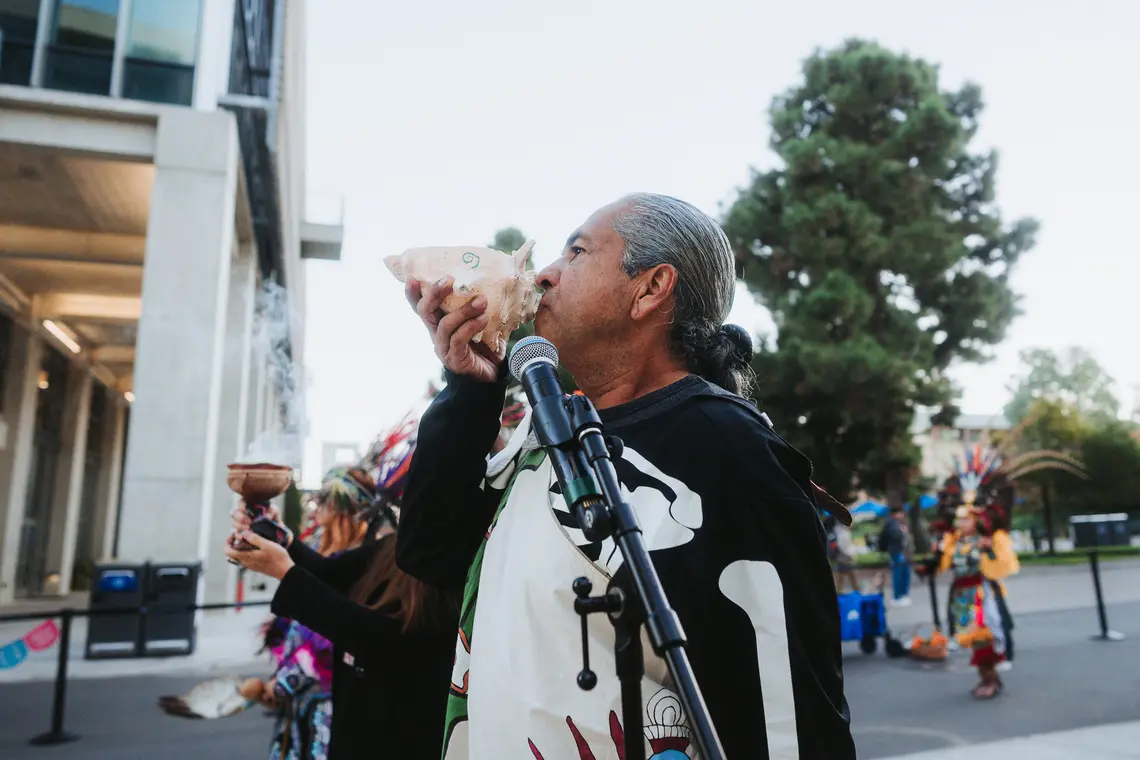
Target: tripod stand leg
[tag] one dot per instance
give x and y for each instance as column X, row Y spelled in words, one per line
column 630, row 661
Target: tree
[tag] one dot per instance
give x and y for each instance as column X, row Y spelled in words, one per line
column 881, row 254
column 1112, row 455
column 1073, row 377
column 1043, row 450
column 509, row 240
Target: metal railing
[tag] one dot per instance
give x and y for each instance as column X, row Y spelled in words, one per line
column 56, row 734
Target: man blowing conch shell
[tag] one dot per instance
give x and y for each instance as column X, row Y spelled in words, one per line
column 636, row 306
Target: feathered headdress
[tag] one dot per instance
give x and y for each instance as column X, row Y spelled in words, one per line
column 391, row 456
column 980, row 485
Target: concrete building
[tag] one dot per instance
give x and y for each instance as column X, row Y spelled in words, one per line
column 151, row 187
column 940, row 444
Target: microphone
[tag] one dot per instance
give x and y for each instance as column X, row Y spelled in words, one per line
column 534, row 362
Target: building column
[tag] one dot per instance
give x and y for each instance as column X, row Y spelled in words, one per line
column 170, row 480
column 67, row 497
column 106, row 521
column 220, row 576
column 257, row 378
column 27, row 358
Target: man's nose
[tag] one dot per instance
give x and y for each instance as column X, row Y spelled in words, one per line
column 549, row 276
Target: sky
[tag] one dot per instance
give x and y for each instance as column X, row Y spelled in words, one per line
column 437, row 123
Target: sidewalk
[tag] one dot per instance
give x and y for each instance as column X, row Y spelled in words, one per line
column 1115, row 741
column 227, row 640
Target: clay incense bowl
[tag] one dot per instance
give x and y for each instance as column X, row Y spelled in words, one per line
column 258, row 483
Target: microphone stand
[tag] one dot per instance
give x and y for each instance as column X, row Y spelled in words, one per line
column 633, row 599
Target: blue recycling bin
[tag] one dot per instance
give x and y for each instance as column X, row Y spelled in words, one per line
column 116, row 588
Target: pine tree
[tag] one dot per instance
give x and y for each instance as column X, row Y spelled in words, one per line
column 881, row 254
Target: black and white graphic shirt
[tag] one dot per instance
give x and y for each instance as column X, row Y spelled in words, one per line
column 728, row 518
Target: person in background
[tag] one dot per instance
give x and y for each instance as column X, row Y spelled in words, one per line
column 841, row 553
column 393, row 640
column 393, row 635
column 895, row 540
column 345, row 493
column 979, row 559
column 301, row 686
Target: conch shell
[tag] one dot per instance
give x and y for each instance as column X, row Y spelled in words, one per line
column 500, row 277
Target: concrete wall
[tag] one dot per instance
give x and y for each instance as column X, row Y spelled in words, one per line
column 169, row 486
column 16, row 458
column 233, row 418
column 215, row 36
column 291, row 137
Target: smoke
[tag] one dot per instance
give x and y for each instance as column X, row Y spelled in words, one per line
column 282, row 441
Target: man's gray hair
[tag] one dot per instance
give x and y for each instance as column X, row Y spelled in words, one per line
column 658, row 229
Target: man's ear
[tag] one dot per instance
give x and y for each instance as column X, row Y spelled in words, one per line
column 653, row 292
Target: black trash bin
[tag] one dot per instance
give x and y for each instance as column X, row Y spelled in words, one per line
column 115, row 587
column 1094, row 531
column 170, row 626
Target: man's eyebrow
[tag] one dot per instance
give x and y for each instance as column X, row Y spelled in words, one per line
column 575, row 236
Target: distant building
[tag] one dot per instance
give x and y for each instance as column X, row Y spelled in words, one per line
column 339, row 454
column 940, row 444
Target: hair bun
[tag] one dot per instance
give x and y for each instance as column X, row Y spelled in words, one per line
column 741, row 344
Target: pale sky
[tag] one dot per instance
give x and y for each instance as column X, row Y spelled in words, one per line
column 441, row 122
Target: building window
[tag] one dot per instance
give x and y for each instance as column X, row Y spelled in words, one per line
column 18, row 20
column 82, row 47
column 161, row 51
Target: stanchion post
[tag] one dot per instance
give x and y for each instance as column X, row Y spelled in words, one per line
column 930, row 579
column 59, row 699
column 1105, row 634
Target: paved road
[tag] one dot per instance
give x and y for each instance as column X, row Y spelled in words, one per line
column 1062, row 680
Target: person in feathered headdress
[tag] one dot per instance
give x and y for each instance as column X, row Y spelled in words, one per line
column 387, row 461
column 979, row 554
column 972, row 540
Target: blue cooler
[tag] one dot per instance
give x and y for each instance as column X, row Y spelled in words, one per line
column 851, row 616
column 863, row 618
column 874, row 615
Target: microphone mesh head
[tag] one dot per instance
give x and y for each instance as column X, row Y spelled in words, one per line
column 528, row 350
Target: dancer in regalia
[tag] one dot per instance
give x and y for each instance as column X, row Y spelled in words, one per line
column 980, row 558
column 973, row 543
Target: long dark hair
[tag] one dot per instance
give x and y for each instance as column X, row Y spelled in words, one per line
column 385, row 586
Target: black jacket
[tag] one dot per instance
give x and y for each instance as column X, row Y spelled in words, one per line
column 758, row 512
column 394, row 693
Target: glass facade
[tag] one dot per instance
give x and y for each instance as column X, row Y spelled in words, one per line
column 82, row 48
column 86, row 544
column 161, row 50
column 153, row 61
column 31, row 563
column 18, row 22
